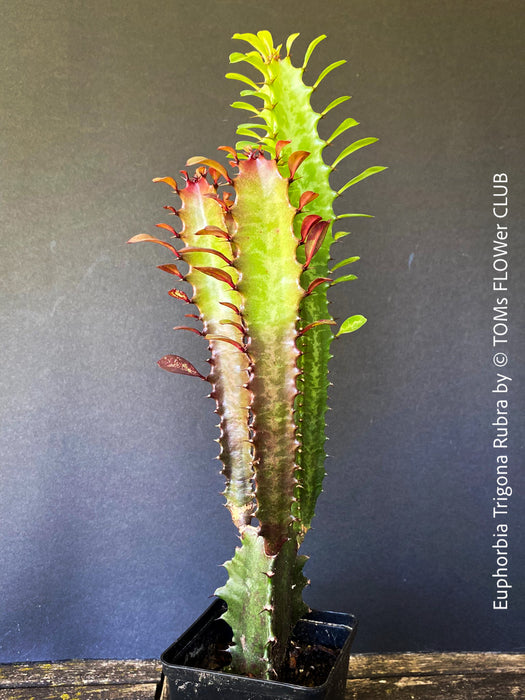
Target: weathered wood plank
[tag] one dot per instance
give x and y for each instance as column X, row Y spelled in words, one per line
column 374, row 665
column 500, row 686
column 80, row 672
column 142, row 691
column 407, row 676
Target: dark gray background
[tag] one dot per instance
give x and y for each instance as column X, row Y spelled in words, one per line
column 112, row 527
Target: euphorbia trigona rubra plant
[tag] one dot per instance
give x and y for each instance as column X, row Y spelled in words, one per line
column 258, row 261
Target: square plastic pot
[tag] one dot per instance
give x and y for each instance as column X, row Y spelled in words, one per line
column 183, row 662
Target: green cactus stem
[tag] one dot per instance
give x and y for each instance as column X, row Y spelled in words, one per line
column 217, row 304
column 270, row 291
column 208, row 256
column 269, row 273
column 286, row 117
column 264, row 597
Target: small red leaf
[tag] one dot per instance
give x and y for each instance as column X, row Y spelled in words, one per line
column 314, row 240
column 201, row 160
column 323, row 322
column 178, row 294
column 227, row 198
column 218, row 274
column 178, row 365
column 168, row 228
column 146, row 237
column 315, row 283
column 295, row 160
column 172, row 269
column 182, row 251
column 227, row 322
column 215, row 175
column 187, row 328
column 306, row 198
column 251, row 151
column 236, row 344
column 213, row 231
column 225, row 205
column 193, row 316
column 279, row 148
column 233, row 153
column 230, row 306
column 307, row 224
column 171, row 209
column 168, row 180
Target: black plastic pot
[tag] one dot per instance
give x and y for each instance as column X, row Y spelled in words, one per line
column 183, row 662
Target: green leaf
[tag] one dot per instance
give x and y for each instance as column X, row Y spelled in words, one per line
column 344, row 262
column 345, row 278
column 257, row 140
column 249, row 93
column 343, row 126
column 290, row 41
column 267, row 99
column 241, row 145
column 244, row 131
column 366, row 173
column 341, row 234
column 254, row 125
column 245, row 105
column 242, row 78
column 353, row 147
column 237, row 57
column 311, row 48
column 253, row 58
column 349, row 216
column 334, row 103
column 327, row 70
column 251, row 39
column 267, row 41
column 351, row 324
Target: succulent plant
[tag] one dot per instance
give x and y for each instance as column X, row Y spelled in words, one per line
column 258, row 261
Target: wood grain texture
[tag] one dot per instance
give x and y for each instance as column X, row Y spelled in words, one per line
column 79, row 672
column 450, row 676
column 404, row 664
column 142, row 691
column 450, row 687
column 408, row 676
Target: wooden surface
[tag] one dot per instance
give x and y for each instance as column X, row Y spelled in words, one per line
column 461, row 676
column 464, row 676
column 80, row 680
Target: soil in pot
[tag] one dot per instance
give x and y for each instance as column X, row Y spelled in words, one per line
column 307, row 664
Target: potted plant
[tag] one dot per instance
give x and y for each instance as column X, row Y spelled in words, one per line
column 257, row 254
